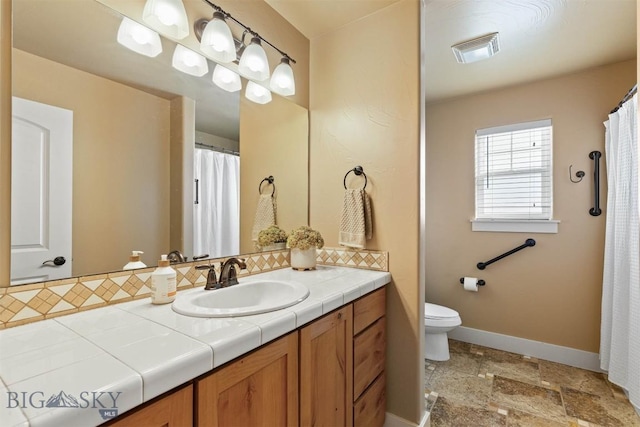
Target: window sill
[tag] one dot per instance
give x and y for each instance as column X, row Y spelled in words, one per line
column 515, row 226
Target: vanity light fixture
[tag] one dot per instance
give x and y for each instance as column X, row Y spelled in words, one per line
column 139, row 38
column 226, row 79
column 477, row 49
column 216, row 41
column 189, row 62
column 256, row 93
column 282, row 81
column 253, row 62
column 168, row 17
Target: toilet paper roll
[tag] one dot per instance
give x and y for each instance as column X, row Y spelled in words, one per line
column 471, row 284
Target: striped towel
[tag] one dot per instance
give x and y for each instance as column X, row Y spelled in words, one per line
column 265, row 215
column 355, row 224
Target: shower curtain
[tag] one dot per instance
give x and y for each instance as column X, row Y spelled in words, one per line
column 620, row 327
column 216, row 218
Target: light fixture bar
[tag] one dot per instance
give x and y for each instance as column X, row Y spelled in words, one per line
column 248, row 29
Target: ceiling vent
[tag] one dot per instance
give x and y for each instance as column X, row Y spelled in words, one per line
column 476, row 49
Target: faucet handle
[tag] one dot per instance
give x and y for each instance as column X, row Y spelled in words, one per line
column 212, row 280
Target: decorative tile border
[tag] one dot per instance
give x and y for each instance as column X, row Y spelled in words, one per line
column 38, row 301
column 359, row 258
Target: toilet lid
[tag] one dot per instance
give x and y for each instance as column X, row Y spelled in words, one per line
column 434, row 311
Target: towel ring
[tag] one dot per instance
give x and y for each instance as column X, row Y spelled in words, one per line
column 358, row 171
column 269, row 180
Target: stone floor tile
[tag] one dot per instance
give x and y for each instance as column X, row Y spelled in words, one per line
column 449, row 413
column 455, row 385
column 459, row 347
column 604, row 411
column 465, row 362
column 510, row 365
column 575, row 378
column 517, row 418
column 528, row 398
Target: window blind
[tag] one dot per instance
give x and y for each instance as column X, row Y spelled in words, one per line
column 514, row 172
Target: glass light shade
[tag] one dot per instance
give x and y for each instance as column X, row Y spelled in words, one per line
column 253, row 62
column 139, row 38
column 282, row 81
column 217, row 42
column 256, row 93
column 226, row 79
column 189, row 61
column 167, row 17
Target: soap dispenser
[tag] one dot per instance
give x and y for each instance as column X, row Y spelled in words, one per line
column 134, row 261
column 163, row 282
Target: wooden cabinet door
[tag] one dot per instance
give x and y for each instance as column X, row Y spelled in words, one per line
column 174, row 410
column 260, row 389
column 326, row 370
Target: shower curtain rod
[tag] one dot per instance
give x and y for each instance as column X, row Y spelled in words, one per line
column 627, row 97
column 219, row 149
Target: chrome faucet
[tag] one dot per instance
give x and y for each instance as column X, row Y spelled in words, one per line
column 228, row 273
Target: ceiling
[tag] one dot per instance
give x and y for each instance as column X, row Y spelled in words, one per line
column 539, row 38
column 316, row 17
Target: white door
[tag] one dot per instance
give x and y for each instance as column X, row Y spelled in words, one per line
column 41, row 190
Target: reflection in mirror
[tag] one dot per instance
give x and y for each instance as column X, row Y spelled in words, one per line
column 134, row 121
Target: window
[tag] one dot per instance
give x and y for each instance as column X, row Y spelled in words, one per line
column 514, row 182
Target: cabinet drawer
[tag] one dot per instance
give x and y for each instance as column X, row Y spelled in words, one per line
column 368, row 356
column 370, row 409
column 368, row 309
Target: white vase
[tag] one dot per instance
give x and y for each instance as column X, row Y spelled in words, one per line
column 303, row 259
column 275, row 247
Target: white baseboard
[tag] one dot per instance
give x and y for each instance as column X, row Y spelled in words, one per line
column 541, row 350
column 391, row 420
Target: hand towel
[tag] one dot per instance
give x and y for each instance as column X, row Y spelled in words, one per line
column 265, row 215
column 355, row 224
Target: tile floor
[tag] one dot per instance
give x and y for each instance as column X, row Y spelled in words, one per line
column 480, row 386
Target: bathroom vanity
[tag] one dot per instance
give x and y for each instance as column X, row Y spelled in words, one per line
column 320, row 361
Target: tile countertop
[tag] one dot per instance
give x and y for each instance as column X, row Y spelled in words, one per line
column 83, row 368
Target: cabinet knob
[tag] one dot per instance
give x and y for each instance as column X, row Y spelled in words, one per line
column 339, row 315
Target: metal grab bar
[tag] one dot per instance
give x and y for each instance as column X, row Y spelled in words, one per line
column 527, row 243
column 595, row 156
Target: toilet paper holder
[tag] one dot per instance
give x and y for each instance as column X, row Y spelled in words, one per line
column 480, row 282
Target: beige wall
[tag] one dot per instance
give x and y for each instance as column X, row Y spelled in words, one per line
column 5, row 142
column 274, row 140
column 551, row 292
column 121, row 161
column 365, row 111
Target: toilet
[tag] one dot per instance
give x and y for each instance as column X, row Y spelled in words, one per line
column 438, row 320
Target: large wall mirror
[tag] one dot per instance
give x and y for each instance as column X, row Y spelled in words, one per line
column 131, row 120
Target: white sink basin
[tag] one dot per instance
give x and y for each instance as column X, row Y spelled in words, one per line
column 243, row 299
